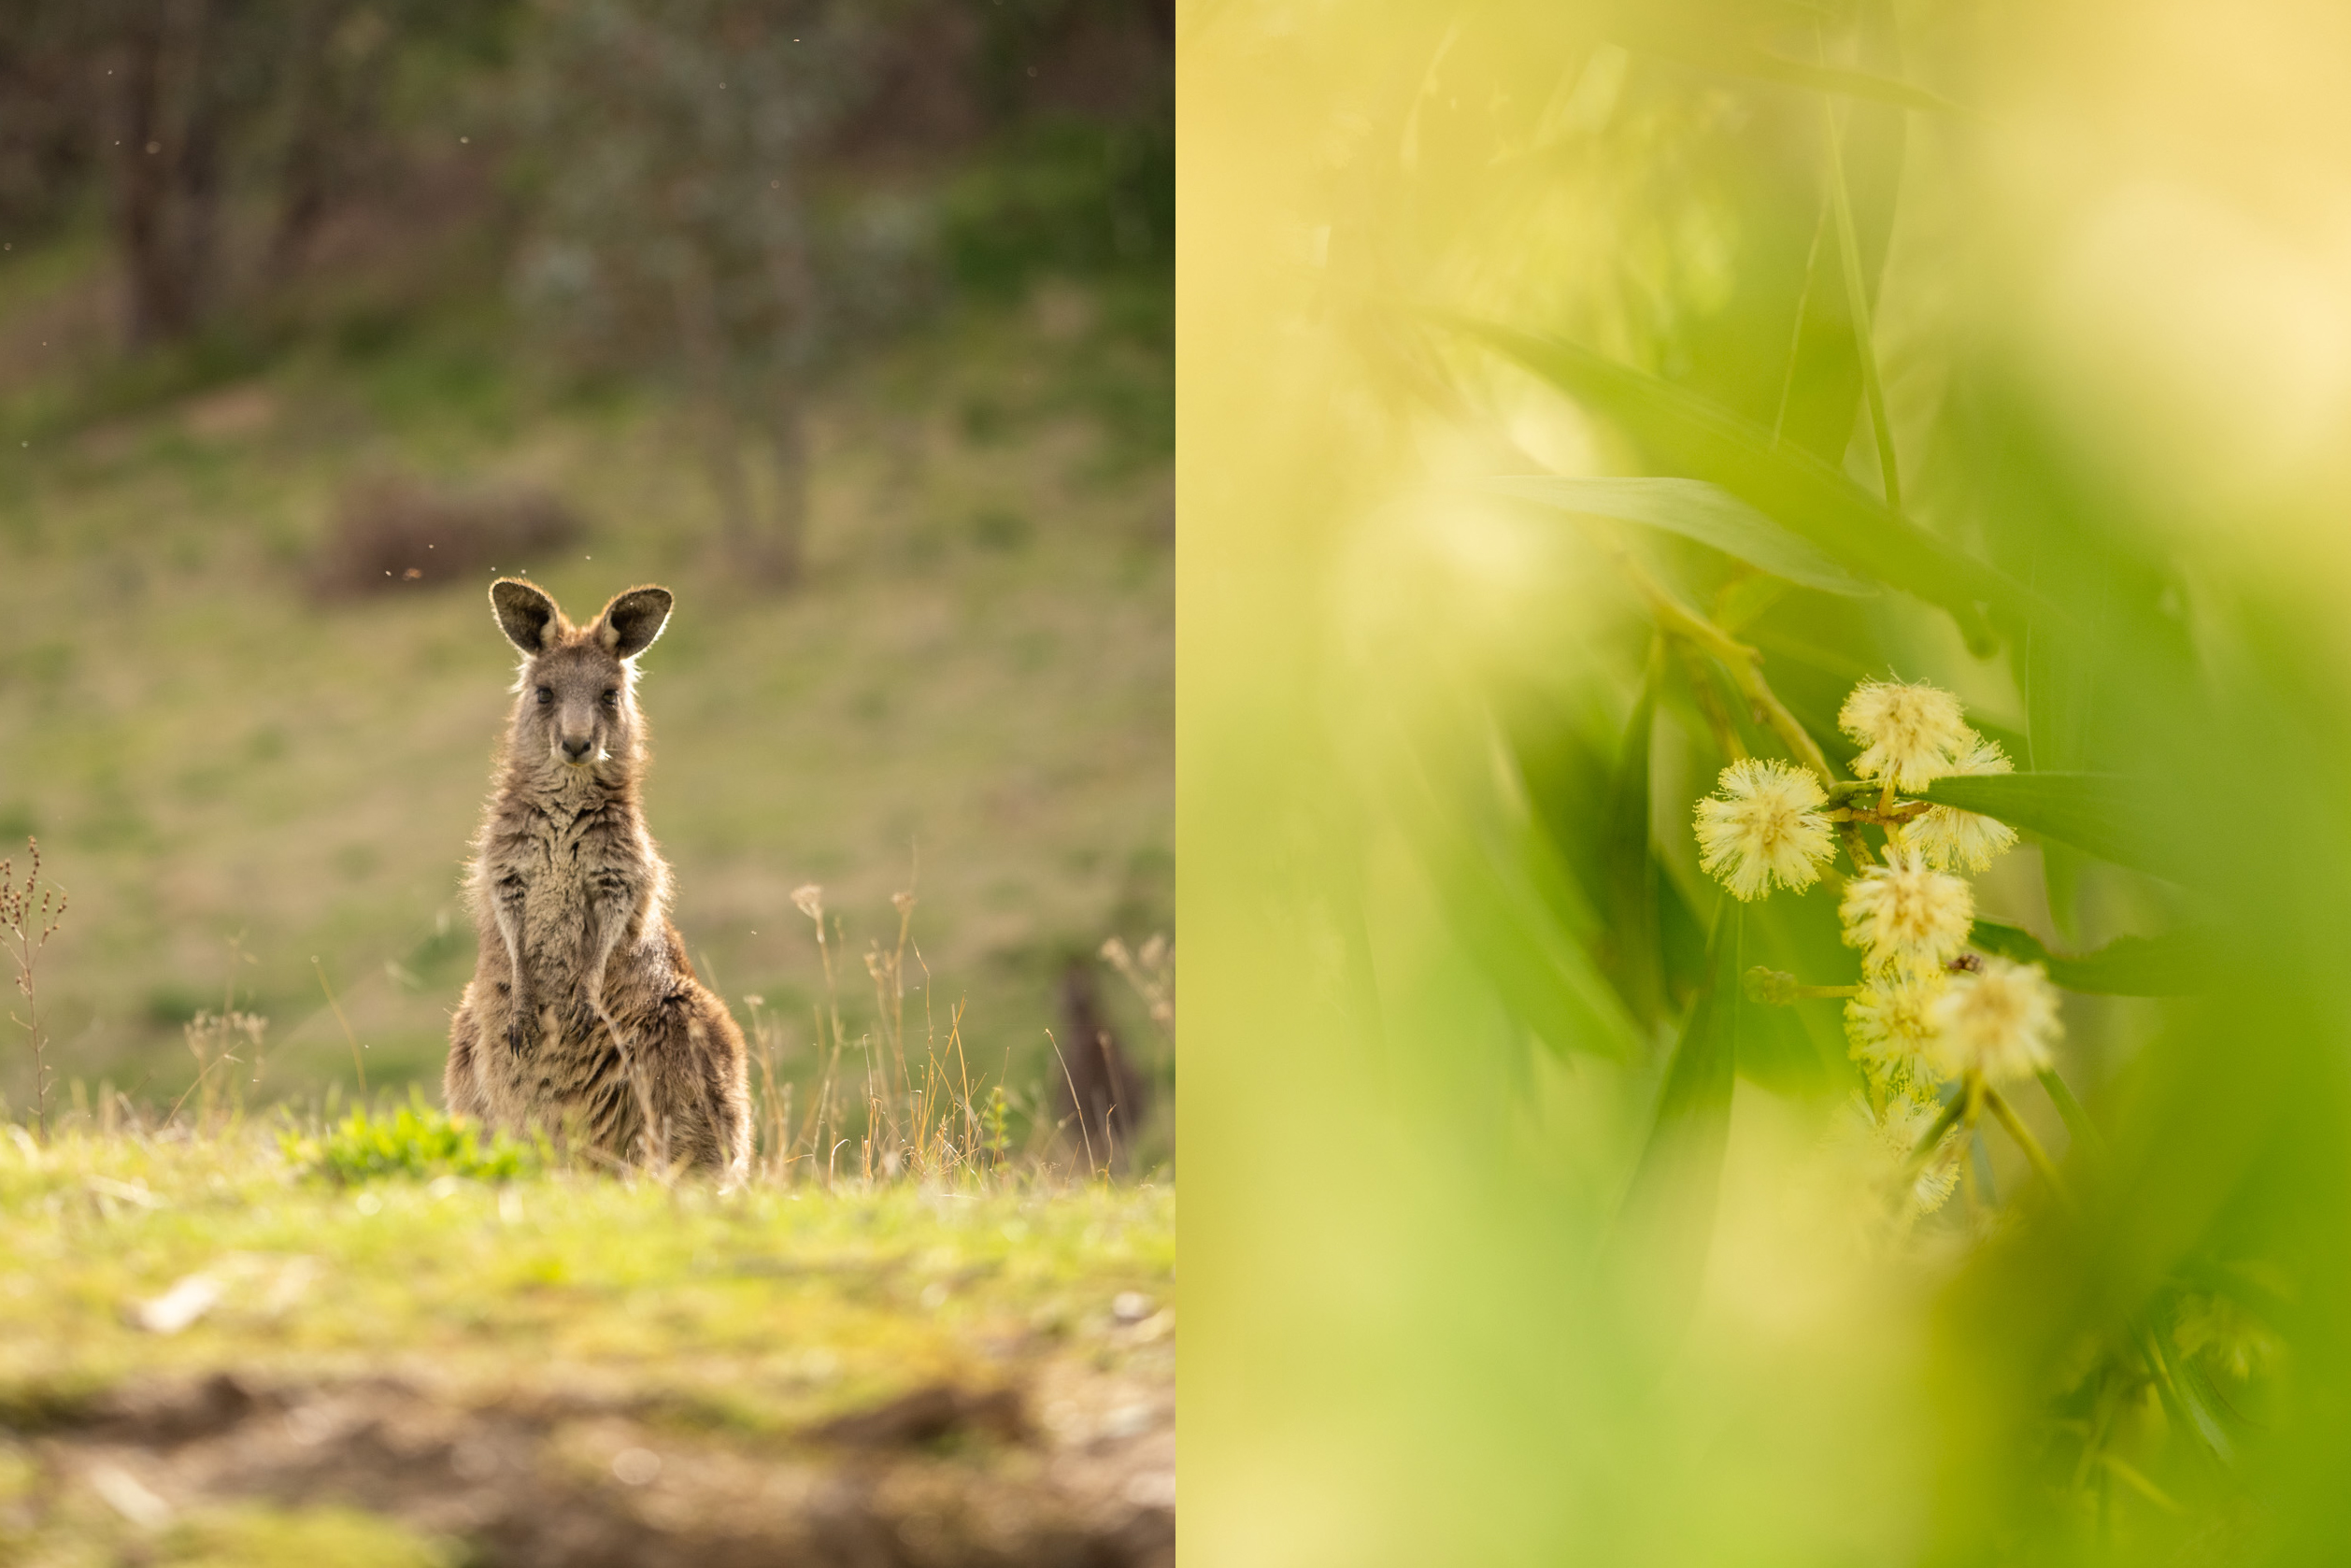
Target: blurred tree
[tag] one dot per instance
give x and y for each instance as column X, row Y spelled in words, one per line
column 334, row 67
column 45, row 148
column 181, row 107
column 675, row 220
column 719, row 189
column 167, row 108
column 336, row 56
column 733, row 195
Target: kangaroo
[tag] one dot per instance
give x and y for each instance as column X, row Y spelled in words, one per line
column 583, row 1016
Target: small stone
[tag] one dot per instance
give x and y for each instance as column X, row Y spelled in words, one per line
column 176, row 1308
column 1127, row 1420
column 121, row 1492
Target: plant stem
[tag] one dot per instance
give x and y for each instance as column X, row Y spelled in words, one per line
column 2140, row 1484
column 1742, row 664
column 1745, row 666
column 2034, row 1154
column 358, row 1065
column 1701, row 687
column 1900, row 812
column 2077, row 1122
column 1960, row 1105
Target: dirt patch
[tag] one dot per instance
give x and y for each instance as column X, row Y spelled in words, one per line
column 943, row 1477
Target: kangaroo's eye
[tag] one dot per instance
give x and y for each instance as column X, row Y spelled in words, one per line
column 546, row 695
column 611, row 695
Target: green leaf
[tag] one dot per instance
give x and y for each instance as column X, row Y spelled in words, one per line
column 2184, row 1391
column 2102, row 813
column 2173, row 964
column 1801, row 1049
column 1629, row 938
column 1660, row 1238
column 1511, row 902
column 1823, row 386
column 1843, row 81
column 1858, row 285
column 1695, row 36
column 1682, row 1162
column 1803, row 493
column 1693, row 509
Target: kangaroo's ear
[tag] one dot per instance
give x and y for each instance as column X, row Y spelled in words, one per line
column 631, row 622
column 526, row 614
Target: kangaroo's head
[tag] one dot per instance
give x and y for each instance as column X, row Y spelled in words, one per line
column 577, row 706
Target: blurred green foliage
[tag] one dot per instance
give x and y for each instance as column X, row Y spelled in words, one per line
column 1069, row 197
column 1588, row 313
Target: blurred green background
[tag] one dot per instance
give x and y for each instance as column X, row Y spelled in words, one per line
column 851, row 322
column 1498, row 1250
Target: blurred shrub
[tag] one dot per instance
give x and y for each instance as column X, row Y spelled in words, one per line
column 392, row 531
column 669, row 146
column 1064, row 196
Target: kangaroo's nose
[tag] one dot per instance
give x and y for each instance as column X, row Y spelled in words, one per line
column 577, row 750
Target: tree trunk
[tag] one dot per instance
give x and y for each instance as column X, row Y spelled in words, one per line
column 198, row 164
column 702, row 335
column 168, row 175
column 302, row 176
column 143, row 189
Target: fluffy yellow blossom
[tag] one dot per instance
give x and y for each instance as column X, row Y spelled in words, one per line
column 1908, row 916
column 1999, row 1021
column 1764, row 824
column 1890, row 1024
column 1870, row 1150
column 1901, row 1127
column 1952, row 838
column 1912, row 734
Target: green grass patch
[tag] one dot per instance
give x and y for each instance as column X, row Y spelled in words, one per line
column 265, row 1537
column 763, row 1310
column 414, row 1140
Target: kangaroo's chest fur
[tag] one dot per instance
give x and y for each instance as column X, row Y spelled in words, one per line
column 571, row 886
column 568, row 876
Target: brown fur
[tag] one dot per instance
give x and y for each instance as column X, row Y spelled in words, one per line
column 583, row 1017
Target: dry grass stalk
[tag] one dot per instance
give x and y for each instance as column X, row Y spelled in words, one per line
column 29, row 923
column 911, row 1110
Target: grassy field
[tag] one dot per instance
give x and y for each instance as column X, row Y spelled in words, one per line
column 246, row 789
column 215, row 1349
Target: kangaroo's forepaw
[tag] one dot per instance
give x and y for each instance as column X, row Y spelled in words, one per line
column 521, row 1036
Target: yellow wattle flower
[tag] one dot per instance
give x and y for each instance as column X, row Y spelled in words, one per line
column 1999, row 1021
column 1890, row 1024
column 1905, row 915
column 1762, row 825
column 1952, row 838
column 1911, row 734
